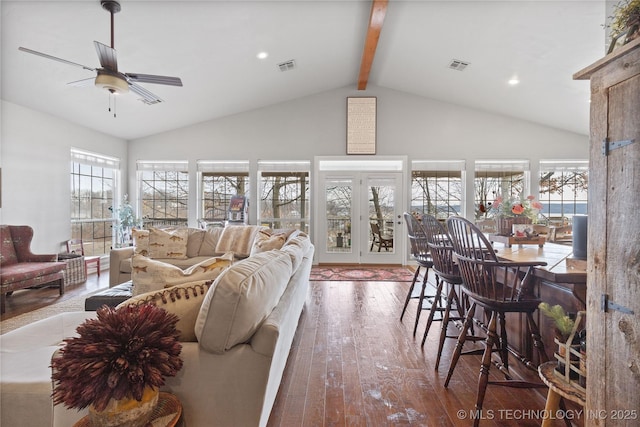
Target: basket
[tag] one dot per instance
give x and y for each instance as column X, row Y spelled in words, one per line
column 571, row 358
column 504, row 224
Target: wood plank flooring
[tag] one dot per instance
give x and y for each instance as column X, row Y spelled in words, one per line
column 353, row 363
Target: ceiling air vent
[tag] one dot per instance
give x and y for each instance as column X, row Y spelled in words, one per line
column 287, row 65
column 456, row 64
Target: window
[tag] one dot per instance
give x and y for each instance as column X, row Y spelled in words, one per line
column 93, row 181
column 437, row 188
column 164, row 192
column 508, row 178
column 563, row 189
column 219, row 181
column 284, row 194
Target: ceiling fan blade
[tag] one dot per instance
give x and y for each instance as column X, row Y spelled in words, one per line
column 82, row 83
column 107, row 56
column 145, row 96
column 150, row 78
column 64, row 61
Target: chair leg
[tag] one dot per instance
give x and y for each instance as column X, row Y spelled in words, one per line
column 434, row 307
column 461, row 339
column 406, row 302
column 483, row 380
column 61, row 284
column 445, row 323
column 537, row 339
column 421, row 300
column 504, row 342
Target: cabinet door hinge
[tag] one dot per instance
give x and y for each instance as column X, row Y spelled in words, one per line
column 607, row 305
column 609, row 146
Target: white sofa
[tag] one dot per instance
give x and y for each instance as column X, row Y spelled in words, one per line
column 201, row 245
column 231, row 374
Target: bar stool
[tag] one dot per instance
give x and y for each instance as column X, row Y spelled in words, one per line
column 441, row 250
column 420, row 254
column 499, row 287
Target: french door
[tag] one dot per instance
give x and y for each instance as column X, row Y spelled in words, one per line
column 353, row 205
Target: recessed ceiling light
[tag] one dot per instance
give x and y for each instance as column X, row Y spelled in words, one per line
column 514, row 81
column 262, row 55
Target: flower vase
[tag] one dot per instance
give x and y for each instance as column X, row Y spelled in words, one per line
column 127, row 412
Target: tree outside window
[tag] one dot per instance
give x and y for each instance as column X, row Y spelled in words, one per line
column 284, row 199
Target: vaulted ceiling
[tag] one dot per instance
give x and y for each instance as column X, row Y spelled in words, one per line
column 212, row 46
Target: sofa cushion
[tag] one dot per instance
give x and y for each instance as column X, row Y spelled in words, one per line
column 194, row 242
column 183, row 300
column 238, row 239
column 265, row 240
column 296, row 247
column 168, row 243
column 152, row 275
column 241, row 299
column 24, row 271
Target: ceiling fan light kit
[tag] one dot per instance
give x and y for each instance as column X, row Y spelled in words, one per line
column 108, row 77
column 113, row 84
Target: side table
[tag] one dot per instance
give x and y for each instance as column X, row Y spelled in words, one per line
column 168, row 413
column 557, row 389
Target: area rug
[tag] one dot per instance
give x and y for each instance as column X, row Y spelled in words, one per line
column 368, row 273
column 71, row 304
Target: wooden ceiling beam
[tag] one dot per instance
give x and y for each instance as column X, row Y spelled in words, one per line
column 378, row 12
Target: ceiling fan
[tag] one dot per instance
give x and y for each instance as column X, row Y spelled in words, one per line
column 108, row 77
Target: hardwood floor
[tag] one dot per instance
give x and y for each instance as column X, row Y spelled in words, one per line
column 353, row 363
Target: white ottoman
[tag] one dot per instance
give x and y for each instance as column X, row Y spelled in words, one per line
column 25, row 368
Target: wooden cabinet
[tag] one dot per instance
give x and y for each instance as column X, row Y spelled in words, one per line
column 613, row 271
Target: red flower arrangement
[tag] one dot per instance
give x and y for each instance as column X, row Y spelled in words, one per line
column 528, row 207
column 116, row 356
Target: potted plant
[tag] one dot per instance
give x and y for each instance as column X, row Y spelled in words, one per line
column 564, row 327
column 624, row 23
column 118, row 362
column 126, row 220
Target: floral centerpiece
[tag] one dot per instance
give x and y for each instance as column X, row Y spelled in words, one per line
column 514, row 210
column 120, row 358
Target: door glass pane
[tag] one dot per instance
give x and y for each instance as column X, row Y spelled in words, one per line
column 381, row 214
column 339, row 193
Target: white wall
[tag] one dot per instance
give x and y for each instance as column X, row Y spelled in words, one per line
column 409, row 125
column 35, row 155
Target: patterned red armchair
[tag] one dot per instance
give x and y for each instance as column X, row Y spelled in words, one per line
column 19, row 268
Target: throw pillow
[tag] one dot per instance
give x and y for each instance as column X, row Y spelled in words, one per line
column 194, row 242
column 168, row 243
column 151, row 275
column 244, row 296
column 140, row 241
column 210, row 241
column 238, row 239
column 266, row 241
column 182, row 300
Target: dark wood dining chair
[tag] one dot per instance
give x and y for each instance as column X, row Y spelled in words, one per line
column 499, row 287
column 444, row 266
column 420, row 254
column 77, row 246
column 382, row 240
